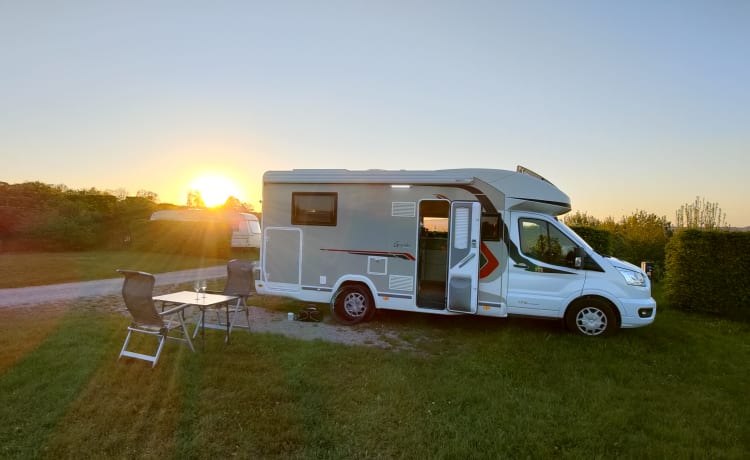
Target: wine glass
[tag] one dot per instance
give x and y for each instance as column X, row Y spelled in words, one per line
column 197, row 288
column 203, row 288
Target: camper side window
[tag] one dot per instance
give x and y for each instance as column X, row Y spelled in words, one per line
column 311, row 208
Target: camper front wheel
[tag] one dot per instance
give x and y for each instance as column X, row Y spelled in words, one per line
column 592, row 317
column 352, row 304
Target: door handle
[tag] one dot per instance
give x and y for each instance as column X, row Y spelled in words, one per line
column 466, row 260
column 521, row 265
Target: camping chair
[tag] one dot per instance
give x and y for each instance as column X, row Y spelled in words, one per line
column 240, row 283
column 137, row 291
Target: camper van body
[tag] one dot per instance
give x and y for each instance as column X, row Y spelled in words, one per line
column 245, row 227
column 464, row 241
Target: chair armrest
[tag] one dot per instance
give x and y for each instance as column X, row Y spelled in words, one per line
column 174, row 310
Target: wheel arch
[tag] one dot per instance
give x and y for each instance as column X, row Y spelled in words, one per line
column 341, row 312
column 588, row 297
column 342, row 282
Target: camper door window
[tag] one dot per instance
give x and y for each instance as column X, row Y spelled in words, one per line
column 310, row 208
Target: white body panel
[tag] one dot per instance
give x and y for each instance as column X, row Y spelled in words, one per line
column 446, row 242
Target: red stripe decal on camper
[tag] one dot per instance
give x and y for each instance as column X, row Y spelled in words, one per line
column 360, row 252
column 489, row 259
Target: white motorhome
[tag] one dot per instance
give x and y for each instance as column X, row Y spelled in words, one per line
column 463, row 241
column 245, row 227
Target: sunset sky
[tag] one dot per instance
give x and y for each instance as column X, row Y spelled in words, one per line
column 626, row 106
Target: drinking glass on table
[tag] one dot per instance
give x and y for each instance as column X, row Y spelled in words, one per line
column 197, row 288
column 203, row 288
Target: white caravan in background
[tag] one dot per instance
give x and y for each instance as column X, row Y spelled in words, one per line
column 245, row 226
column 463, row 241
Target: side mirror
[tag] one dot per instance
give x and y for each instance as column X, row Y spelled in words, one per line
column 580, row 257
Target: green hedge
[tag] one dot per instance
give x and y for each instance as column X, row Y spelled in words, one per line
column 209, row 239
column 709, row 271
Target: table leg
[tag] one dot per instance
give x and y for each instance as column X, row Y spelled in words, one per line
column 226, row 339
column 203, row 328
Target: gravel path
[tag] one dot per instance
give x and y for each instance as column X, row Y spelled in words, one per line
column 105, row 295
column 69, row 291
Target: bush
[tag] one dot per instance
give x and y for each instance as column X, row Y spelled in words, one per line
column 62, row 233
column 600, row 240
column 635, row 238
column 708, row 271
column 41, row 217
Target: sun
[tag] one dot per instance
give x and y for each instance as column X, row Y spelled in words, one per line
column 215, row 189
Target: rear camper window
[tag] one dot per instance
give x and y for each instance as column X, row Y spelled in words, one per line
column 309, row 208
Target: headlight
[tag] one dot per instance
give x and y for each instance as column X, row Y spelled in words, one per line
column 632, row 278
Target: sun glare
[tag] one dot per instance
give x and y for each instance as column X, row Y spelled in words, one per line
column 215, row 189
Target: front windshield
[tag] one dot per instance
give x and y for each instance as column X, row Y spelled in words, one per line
column 576, row 237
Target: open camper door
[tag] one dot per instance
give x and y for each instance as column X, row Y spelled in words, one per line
column 463, row 259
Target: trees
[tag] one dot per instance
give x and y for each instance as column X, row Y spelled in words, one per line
column 700, row 214
column 581, row 219
column 644, row 236
column 233, row 204
column 37, row 216
column 148, row 195
column 195, row 200
column 638, row 237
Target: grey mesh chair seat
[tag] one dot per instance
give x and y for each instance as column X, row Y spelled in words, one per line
column 137, row 291
column 239, row 283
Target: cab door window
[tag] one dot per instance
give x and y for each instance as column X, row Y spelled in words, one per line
column 545, row 242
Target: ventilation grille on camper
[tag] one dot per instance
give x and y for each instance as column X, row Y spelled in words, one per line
column 403, row 209
column 461, row 230
column 401, row 283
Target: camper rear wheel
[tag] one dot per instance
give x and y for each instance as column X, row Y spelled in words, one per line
column 352, row 304
column 592, row 316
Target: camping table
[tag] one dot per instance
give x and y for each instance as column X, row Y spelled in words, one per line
column 202, row 301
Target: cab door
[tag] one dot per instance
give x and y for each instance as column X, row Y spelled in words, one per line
column 463, row 258
column 543, row 278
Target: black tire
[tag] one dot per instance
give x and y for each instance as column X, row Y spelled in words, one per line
column 352, row 304
column 592, row 317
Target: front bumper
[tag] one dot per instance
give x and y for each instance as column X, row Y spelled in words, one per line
column 638, row 312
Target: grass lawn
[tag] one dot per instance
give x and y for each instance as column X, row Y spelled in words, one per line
column 472, row 388
column 22, row 269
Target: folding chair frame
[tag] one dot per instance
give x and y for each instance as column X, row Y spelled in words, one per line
column 239, row 283
column 162, row 336
column 137, row 292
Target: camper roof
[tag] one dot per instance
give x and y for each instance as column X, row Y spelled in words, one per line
column 523, row 189
column 370, row 176
column 380, row 176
